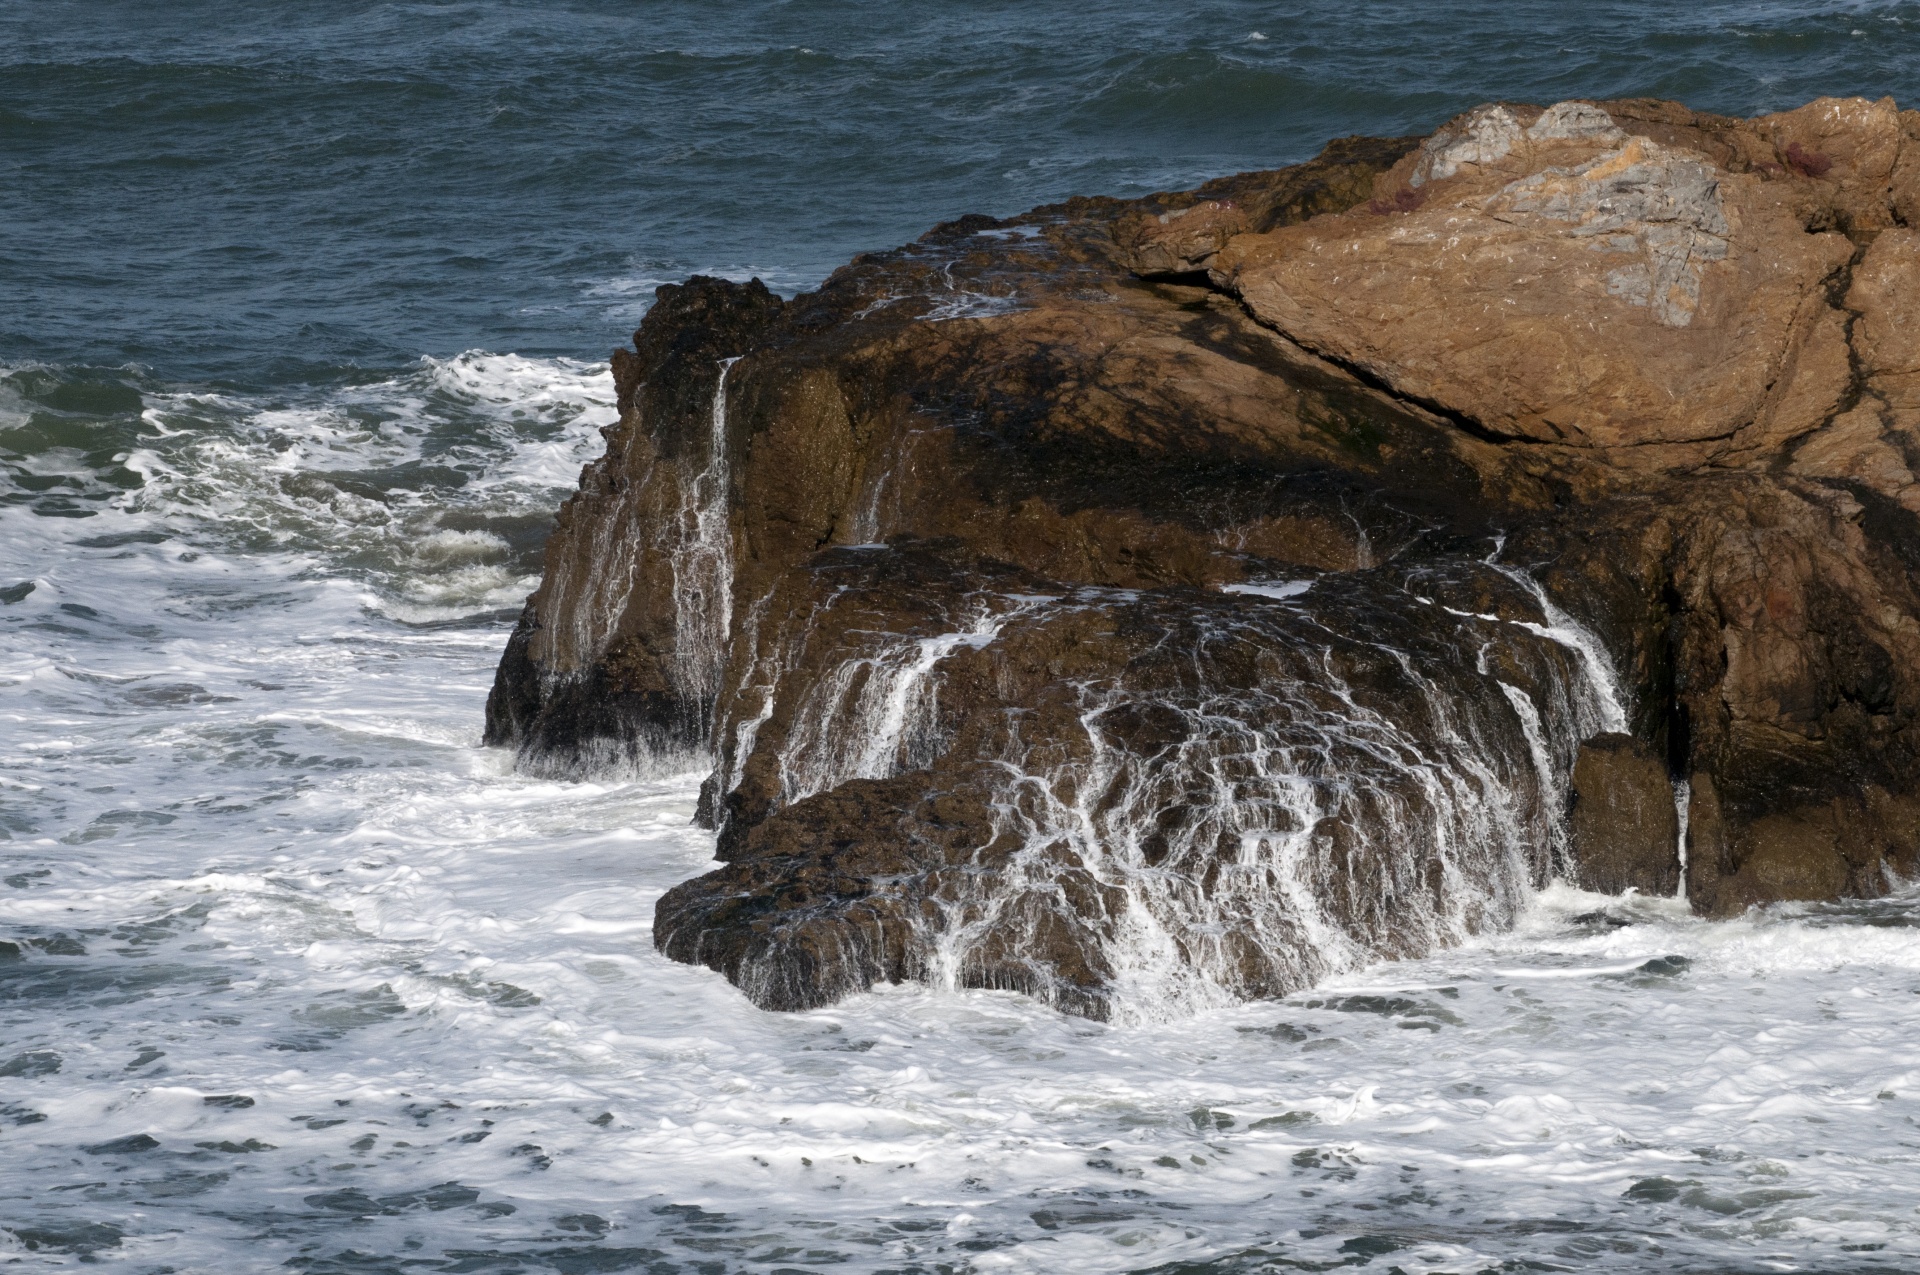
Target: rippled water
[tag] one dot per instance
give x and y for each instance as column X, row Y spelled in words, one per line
column 265, row 192
column 294, row 975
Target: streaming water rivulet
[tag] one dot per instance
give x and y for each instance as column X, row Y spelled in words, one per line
column 1213, row 823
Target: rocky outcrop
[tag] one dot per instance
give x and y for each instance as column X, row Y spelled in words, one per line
column 618, row 655
column 1147, row 603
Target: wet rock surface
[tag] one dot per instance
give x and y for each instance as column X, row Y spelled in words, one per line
column 1624, row 825
column 1146, row 603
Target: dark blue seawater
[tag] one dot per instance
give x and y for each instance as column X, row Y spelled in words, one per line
column 302, row 314
column 266, row 192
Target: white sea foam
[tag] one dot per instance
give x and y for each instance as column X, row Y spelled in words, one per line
column 1277, row 589
column 251, row 796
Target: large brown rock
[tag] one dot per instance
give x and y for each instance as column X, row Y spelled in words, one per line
column 1555, row 278
column 1144, row 603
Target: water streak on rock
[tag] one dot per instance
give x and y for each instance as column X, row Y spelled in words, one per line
column 702, row 559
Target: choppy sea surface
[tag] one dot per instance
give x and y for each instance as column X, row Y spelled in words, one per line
column 301, row 314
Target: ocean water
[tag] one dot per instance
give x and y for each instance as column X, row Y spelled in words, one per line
column 302, row 309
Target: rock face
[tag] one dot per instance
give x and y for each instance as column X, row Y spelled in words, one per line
column 1142, row 604
column 1624, row 826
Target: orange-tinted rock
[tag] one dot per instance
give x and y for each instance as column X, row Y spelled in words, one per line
column 1561, row 281
column 1850, row 148
column 1186, row 239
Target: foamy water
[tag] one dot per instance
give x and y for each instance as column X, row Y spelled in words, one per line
column 300, row 977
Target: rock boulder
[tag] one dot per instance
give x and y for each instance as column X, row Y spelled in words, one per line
column 1146, row 603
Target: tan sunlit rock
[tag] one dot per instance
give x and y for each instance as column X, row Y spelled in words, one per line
column 1576, row 285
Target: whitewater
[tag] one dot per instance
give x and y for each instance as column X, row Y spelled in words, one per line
column 299, row 976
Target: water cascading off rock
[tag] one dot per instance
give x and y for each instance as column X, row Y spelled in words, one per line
column 1146, row 604
column 1246, row 794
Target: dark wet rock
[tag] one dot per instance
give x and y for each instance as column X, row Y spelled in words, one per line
column 566, row 694
column 1416, row 1014
column 1148, row 601
column 1602, row 920
column 129, row 1145
column 1209, row 1121
column 1117, row 708
column 1623, row 825
column 1287, row 1032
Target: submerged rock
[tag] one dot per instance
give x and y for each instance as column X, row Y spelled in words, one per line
column 1148, row 603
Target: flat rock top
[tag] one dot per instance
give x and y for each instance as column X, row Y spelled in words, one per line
column 1568, row 276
